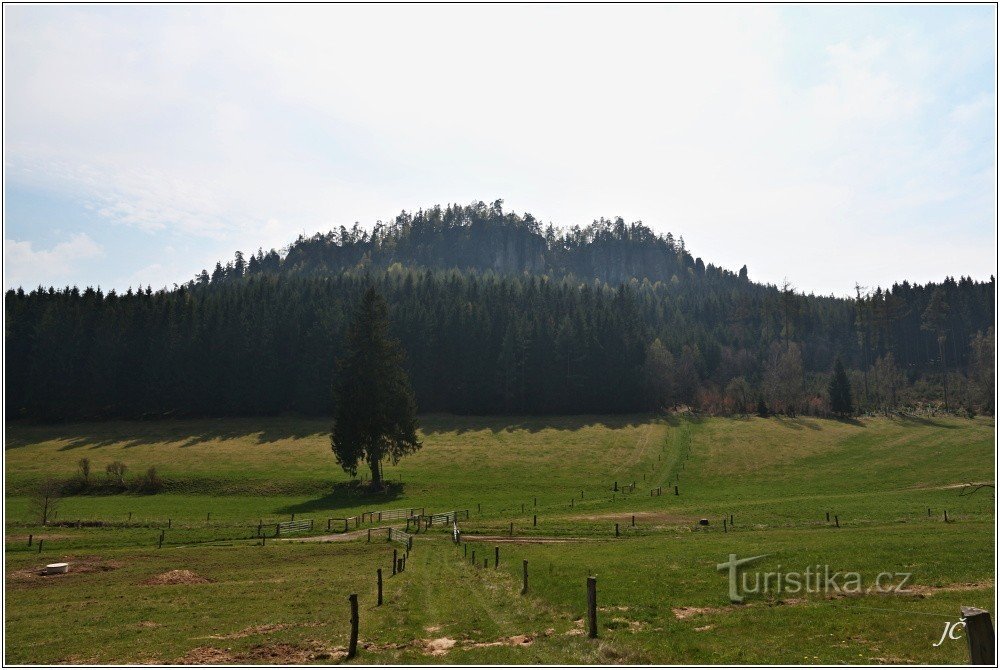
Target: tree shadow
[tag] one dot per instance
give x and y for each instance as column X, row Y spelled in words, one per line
column 175, row 432
column 797, row 422
column 431, row 424
column 675, row 419
column 347, row 495
column 911, row 420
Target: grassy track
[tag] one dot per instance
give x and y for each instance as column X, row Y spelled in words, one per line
column 662, row 599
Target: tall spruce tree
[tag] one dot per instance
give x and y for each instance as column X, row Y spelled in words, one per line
column 840, row 391
column 375, row 415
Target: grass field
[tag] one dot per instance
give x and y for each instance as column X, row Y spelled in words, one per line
column 661, row 598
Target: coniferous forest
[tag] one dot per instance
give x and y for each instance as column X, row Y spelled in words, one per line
column 498, row 314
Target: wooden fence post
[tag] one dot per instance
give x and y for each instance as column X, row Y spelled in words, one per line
column 633, row 520
column 979, row 630
column 731, row 520
column 496, row 557
column 169, row 521
column 379, row 573
column 616, row 530
column 473, row 558
column 828, row 517
column 724, row 529
column 836, row 520
column 511, row 531
column 369, row 534
column 677, row 491
column 535, row 521
column 524, row 570
column 352, row 649
column 29, row 539
column 394, row 559
column 591, row 606
column 40, row 546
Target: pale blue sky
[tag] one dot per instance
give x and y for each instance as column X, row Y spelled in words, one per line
column 826, row 145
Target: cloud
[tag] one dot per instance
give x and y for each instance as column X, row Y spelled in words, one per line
column 26, row 266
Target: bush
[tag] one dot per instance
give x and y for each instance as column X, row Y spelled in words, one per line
column 150, row 482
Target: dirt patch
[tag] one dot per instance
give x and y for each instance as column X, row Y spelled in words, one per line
column 175, row 577
column 507, row 539
column 432, row 629
column 439, row 646
column 263, row 654
column 338, row 537
column 921, row 590
column 251, row 630
column 512, row 641
column 77, row 566
column 688, row 612
column 148, row 624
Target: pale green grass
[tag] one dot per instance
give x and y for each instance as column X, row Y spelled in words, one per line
column 777, row 477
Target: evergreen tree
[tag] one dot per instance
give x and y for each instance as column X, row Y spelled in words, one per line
column 840, row 391
column 375, row 414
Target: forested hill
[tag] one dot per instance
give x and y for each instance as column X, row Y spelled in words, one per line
column 497, row 315
column 484, row 238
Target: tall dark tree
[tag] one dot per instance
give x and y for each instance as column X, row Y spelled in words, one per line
column 375, row 414
column 840, row 391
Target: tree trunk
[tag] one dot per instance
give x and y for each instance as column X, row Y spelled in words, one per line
column 376, row 467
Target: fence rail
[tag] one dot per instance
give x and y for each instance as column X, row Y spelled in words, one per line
column 293, row 526
column 401, row 536
column 377, row 516
column 446, row 517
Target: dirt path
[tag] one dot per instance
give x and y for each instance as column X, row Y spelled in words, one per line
column 336, row 537
column 508, row 539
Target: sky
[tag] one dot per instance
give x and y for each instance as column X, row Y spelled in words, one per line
column 827, row 146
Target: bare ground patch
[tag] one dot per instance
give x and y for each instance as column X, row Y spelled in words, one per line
column 175, row 577
column 261, row 629
column 262, row 654
column 333, row 537
column 77, row 565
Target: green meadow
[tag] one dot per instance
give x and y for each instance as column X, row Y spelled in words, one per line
column 540, row 489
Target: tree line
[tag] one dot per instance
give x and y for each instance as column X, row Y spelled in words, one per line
column 497, row 315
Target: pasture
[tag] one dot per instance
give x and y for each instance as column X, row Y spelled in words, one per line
column 216, row 592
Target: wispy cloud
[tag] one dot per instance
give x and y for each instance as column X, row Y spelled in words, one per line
column 749, row 130
column 26, row 266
